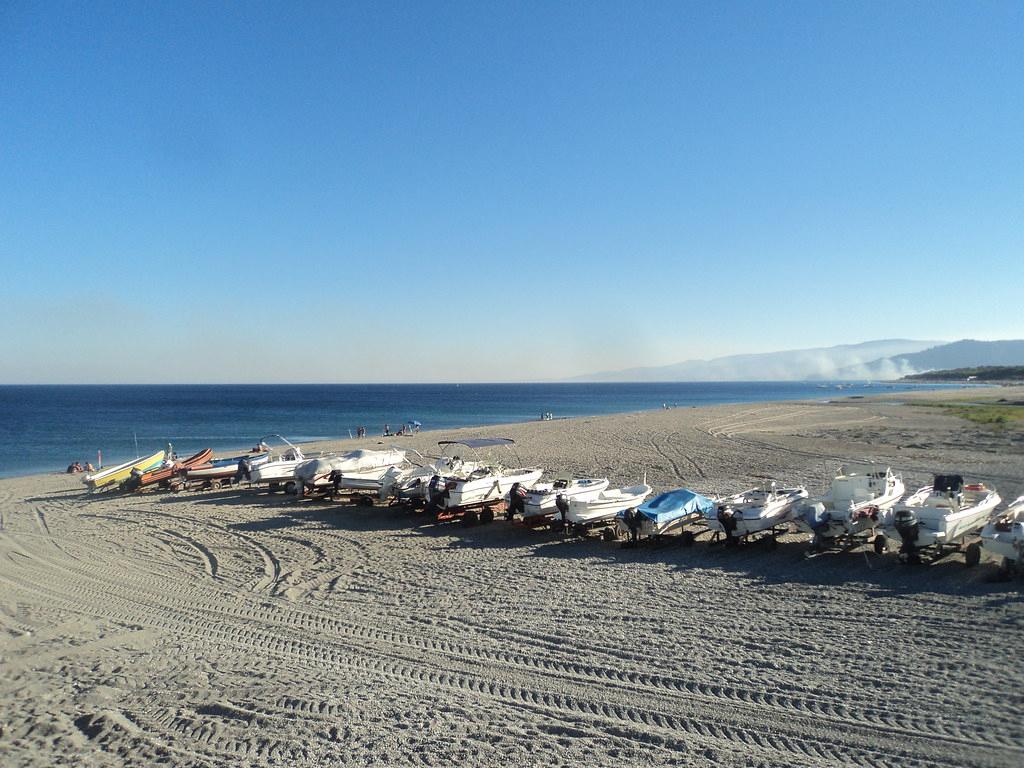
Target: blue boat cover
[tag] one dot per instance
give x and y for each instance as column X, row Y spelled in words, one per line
column 672, row 505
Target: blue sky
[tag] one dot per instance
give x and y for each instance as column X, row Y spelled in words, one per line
column 484, row 191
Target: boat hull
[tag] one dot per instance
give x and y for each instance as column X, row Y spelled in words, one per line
column 606, row 506
column 1003, row 535
column 756, row 511
column 110, row 478
column 223, row 469
column 483, row 490
column 541, row 502
column 169, row 472
column 940, row 526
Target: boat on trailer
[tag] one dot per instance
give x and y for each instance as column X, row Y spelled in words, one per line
column 754, row 513
column 601, row 510
column 853, row 508
column 666, row 514
column 279, row 469
column 232, row 468
column 548, row 503
column 1003, row 536
column 366, row 472
column 411, row 484
column 112, row 477
column 472, row 496
column 941, row 518
column 167, row 473
column 359, row 469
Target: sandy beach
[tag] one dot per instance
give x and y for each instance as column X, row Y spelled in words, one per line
column 236, row 627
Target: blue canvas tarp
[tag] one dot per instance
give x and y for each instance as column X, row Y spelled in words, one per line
column 673, row 505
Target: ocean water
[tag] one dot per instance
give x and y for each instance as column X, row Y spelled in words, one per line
column 45, row 428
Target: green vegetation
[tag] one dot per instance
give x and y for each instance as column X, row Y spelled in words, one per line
column 982, row 373
column 993, row 413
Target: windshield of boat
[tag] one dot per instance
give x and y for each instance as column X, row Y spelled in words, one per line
column 484, row 450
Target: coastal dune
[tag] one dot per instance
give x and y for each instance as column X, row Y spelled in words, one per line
column 238, row 627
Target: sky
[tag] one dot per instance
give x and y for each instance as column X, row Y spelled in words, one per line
column 467, row 191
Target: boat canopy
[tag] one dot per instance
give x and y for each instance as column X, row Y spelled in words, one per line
column 479, row 442
column 669, row 506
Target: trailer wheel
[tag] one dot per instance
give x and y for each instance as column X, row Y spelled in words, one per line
column 470, row 518
column 487, row 515
column 686, row 538
column 289, row 487
column 880, row 544
column 609, row 534
column 972, row 554
column 365, row 501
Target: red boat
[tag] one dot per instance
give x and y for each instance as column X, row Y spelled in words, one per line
column 167, row 472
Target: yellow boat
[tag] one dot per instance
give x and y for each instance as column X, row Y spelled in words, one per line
column 115, row 475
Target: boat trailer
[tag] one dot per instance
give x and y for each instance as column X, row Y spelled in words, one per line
column 907, row 526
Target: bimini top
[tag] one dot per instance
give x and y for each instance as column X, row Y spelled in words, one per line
column 479, row 442
column 672, row 505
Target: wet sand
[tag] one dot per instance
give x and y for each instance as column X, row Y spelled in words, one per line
column 241, row 628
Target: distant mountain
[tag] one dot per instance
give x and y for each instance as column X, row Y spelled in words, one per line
column 792, row 365
column 966, row 353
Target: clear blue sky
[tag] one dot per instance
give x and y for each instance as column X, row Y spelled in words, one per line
column 481, row 191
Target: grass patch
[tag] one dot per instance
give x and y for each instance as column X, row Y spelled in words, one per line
column 993, row 414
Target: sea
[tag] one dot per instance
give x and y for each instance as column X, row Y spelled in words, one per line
column 44, row 428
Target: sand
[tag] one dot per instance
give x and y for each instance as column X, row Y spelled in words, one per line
column 241, row 628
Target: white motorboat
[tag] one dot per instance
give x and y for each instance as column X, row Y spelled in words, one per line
column 853, row 507
column 279, row 469
column 231, row 468
column 1003, row 535
column 411, row 484
column 486, row 484
column 602, row 508
column 490, row 481
column 941, row 516
column 541, row 502
column 757, row 511
column 358, row 469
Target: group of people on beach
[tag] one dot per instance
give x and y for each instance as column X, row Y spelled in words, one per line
column 79, row 467
column 406, row 429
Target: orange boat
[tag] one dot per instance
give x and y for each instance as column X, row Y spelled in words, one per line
column 167, row 471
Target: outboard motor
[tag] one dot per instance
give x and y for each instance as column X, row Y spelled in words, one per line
column 134, row 481
column 816, row 515
column 435, row 491
column 335, row 478
column 728, row 521
column 244, row 470
column 907, row 525
column 562, row 505
column 516, row 501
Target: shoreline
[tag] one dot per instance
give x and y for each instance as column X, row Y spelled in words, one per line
column 317, row 444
